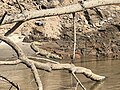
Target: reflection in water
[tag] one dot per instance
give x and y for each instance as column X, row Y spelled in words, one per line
column 97, row 85
column 63, row 80
column 19, row 74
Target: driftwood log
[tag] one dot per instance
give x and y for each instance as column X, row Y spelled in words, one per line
column 34, row 65
column 27, row 15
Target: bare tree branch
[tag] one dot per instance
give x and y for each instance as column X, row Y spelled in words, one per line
column 34, row 65
column 19, row 6
column 11, row 82
column 78, row 70
column 10, row 62
column 74, row 28
column 27, row 15
column 17, row 49
column 50, row 66
column 45, row 59
column 2, row 18
column 79, row 82
column 37, row 78
column 13, row 28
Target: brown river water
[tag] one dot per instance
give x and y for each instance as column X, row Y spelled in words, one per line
column 60, row 80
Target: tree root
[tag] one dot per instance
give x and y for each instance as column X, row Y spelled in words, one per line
column 34, row 65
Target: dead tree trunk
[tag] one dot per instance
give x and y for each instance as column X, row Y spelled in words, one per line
column 27, row 15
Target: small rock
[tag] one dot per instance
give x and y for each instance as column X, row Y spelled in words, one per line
column 39, row 23
column 65, row 17
column 70, row 16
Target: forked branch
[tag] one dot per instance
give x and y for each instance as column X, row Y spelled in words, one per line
column 34, row 65
column 27, row 15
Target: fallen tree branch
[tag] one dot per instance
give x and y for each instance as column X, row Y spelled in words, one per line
column 2, row 18
column 22, row 57
column 19, row 6
column 78, row 70
column 15, row 62
column 37, row 78
column 13, row 28
column 34, row 65
column 44, row 59
column 17, row 49
column 79, row 82
column 27, row 15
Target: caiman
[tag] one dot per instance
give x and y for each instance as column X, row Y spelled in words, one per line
column 34, row 46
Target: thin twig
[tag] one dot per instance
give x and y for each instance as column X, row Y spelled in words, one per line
column 3, row 17
column 11, row 82
column 37, row 7
column 74, row 28
column 57, row 11
column 19, row 6
column 45, row 59
column 76, row 86
column 13, row 28
column 78, row 81
column 37, row 78
column 10, row 87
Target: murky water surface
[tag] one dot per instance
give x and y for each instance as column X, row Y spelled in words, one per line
column 62, row 80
